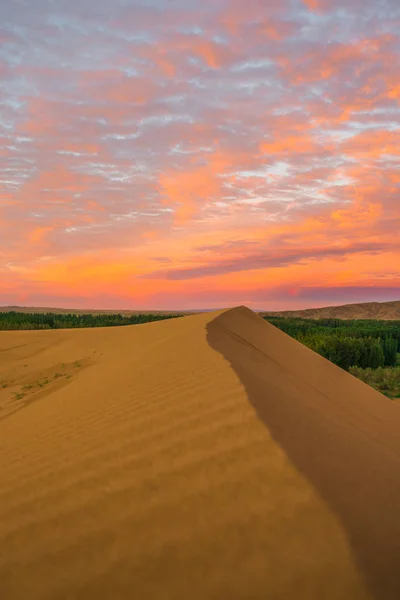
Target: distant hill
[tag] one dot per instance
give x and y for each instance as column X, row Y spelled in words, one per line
column 93, row 311
column 368, row 310
column 389, row 311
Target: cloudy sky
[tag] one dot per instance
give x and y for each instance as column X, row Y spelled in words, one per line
column 199, row 154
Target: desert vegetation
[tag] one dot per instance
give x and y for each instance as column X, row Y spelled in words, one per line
column 384, row 379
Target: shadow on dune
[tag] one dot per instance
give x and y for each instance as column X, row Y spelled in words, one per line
column 356, row 473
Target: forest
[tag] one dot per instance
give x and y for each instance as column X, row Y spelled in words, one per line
column 18, row 320
column 359, row 343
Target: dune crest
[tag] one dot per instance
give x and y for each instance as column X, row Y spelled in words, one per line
column 210, row 456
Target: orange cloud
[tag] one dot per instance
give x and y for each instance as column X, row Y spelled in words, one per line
column 312, row 4
column 59, row 179
column 197, row 186
column 293, row 144
column 38, row 233
column 276, row 30
column 362, row 213
column 186, row 190
column 336, row 58
column 372, row 144
column 209, row 53
column 166, row 66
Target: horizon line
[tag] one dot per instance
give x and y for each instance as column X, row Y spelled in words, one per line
column 187, row 310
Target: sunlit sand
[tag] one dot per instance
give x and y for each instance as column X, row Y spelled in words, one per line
column 206, row 457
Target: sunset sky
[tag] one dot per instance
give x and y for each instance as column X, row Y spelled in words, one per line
column 183, row 154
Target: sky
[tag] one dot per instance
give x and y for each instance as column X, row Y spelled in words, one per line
column 178, row 154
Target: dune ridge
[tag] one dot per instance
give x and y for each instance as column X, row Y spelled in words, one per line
column 210, row 456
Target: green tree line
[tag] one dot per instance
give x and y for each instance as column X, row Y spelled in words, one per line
column 358, row 343
column 17, row 320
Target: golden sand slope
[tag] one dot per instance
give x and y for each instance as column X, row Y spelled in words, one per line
column 208, row 457
column 366, row 310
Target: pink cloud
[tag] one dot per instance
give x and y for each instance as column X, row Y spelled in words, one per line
column 227, row 152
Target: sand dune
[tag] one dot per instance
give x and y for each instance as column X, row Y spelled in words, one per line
column 389, row 311
column 207, row 457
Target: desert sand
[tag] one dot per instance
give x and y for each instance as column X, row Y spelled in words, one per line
column 207, row 457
